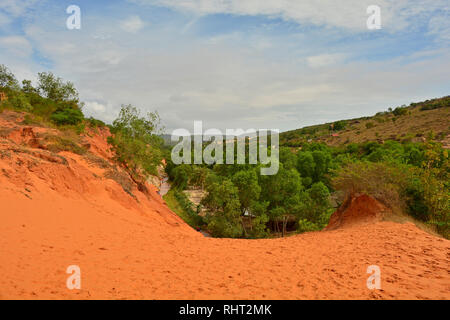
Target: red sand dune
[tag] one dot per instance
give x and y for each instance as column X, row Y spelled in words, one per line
column 357, row 210
column 58, row 210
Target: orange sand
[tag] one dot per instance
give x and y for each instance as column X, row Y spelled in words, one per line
column 58, row 210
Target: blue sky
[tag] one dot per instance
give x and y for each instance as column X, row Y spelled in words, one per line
column 279, row 64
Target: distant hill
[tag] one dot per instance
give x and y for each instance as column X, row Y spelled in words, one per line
column 405, row 123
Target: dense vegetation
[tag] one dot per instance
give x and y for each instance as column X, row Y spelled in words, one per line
column 52, row 100
column 407, row 177
column 180, row 204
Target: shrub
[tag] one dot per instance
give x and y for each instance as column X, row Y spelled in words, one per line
column 380, row 180
column 122, row 178
column 181, row 176
column 191, row 218
column 339, row 125
column 306, row 226
column 68, row 116
column 95, row 123
column 400, row 111
column 59, row 144
column 433, row 104
column 17, row 100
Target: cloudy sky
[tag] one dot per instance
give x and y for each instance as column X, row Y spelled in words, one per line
column 279, row 64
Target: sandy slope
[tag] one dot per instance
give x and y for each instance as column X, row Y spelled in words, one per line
column 56, row 213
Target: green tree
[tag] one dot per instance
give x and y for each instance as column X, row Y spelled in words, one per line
column 198, row 176
column 55, row 88
column 27, row 87
column 338, row 125
column 248, row 188
column 7, row 78
column 320, row 195
column 282, row 191
column 181, row 175
column 288, row 158
column 306, row 166
column 314, row 208
column 322, row 160
column 136, row 142
column 223, row 204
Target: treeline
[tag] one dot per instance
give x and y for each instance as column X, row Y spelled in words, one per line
column 312, row 180
column 51, row 100
column 432, row 104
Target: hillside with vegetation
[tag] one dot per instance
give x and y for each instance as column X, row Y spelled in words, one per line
column 413, row 123
column 54, row 104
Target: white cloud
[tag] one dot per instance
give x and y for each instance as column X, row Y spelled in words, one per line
column 324, row 60
column 132, row 24
column 349, row 14
column 4, row 19
column 232, row 86
column 440, row 26
column 17, row 45
column 16, row 7
column 95, row 107
column 234, row 79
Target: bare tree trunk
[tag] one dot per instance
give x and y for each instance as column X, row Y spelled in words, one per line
column 284, row 225
column 243, row 226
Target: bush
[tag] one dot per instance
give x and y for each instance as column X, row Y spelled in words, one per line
column 400, row 111
column 17, row 100
column 306, row 226
column 95, row 123
column 181, row 176
column 191, row 217
column 67, row 116
column 339, row 125
column 433, row 104
column 381, row 180
column 59, row 144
